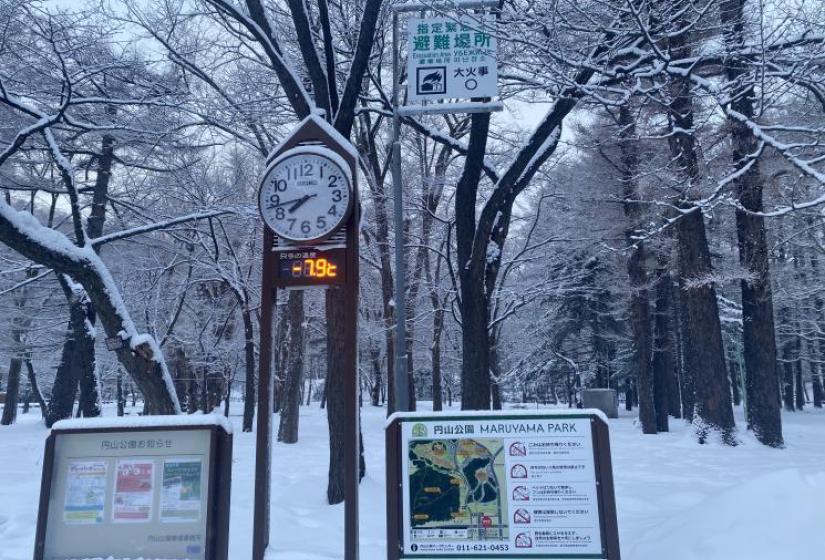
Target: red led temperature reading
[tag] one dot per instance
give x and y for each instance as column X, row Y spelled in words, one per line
column 314, row 268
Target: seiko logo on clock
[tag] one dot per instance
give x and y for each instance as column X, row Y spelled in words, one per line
column 305, row 195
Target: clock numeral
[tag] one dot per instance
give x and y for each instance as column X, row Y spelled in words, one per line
column 321, row 223
column 305, row 227
column 336, row 195
column 274, row 200
column 333, row 210
column 333, row 181
column 291, row 223
column 280, row 213
column 298, row 171
column 280, row 185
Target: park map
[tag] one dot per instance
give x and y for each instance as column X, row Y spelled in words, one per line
column 456, row 489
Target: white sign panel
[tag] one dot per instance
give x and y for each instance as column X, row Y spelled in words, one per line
column 505, row 486
column 129, row 494
column 449, row 58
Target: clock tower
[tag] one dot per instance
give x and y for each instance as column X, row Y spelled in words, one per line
column 308, row 199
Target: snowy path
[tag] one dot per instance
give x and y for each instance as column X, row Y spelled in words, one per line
column 676, row 499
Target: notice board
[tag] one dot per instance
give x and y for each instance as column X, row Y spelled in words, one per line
column 500, row 485
column 151, row 487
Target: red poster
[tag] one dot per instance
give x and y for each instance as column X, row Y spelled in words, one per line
column 134, row 491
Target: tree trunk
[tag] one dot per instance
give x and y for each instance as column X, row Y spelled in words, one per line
column 310, row 387
column 759, row 338
column 787, row 366
column 667, row 342
column 475, row 366
column 733, row 368
column 204, row 387
column 798, row 382
column 816, row 379
column 226, row 398
column 817, row 389
column 292, row 368
column 686, row 391
column 335, row 404
column 435, row 356
column 249, row 379
column 704, row 356
column 411, row 384
column 495, row 369
column 639, row 298
column 703, row 334
column 120, row 396
column 83, row 331
column 628, row 395
column 375, row 388
column 12, row 392
column 191, row 392
column 474, row 304
column 279, row 364
column 662, row 350
column 640, row 326
column 35, row 388
column 76, row 357
column 89, row 400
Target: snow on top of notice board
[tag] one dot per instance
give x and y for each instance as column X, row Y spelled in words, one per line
column 145, row 422
column 538, row 412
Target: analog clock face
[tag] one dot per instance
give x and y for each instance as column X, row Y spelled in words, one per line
column 305, row 197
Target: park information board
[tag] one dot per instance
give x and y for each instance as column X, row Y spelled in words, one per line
column 501, row 486
column 451, row 58
column 150, row 487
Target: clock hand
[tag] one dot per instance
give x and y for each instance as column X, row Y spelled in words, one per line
column 300, row 202
column 284, row 203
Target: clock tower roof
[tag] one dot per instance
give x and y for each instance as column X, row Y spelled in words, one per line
column 314, row 128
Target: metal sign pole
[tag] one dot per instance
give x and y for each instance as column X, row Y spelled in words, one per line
column 402, row 385
column 352, row 466
column 429, row 105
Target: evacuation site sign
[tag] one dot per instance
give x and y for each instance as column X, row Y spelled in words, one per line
column 450, row 58
column 500, row 486
column 151, row 487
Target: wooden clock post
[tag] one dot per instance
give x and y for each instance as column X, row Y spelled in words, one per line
column 338, row 252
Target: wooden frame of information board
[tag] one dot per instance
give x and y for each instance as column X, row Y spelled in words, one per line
column 608, row 524
column 216, row 538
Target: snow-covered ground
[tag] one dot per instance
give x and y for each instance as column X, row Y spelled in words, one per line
column 677, row 500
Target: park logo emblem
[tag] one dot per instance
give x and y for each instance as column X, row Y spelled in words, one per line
column 419, row 430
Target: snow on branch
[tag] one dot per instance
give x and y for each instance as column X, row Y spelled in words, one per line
column 155, row 226
column 24, row 233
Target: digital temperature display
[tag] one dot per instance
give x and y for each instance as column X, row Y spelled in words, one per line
column 308, row 268
column 314, row 268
